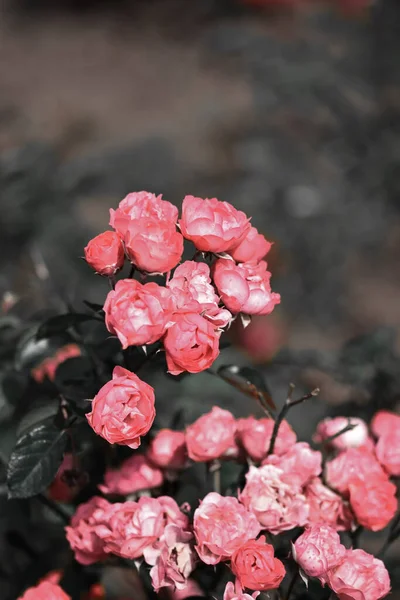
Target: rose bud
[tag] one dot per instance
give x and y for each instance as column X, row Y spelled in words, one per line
column 388, row 452
column 153, row 245
column 135, row 474
column 168, row 449
column 138, row 314
column 235, row 592
column 221, row 525
column 141, row 205
column 256, row 567
column 299, row 464
column 360, row 463
column 385, row 422
column 252, row 249
column 317, row 550
column 358, row 436
column 82, row 533
column 123, row 410
column 191, row 344
column 326, row 507
column 212, row 436
column 245, row 287
column 255, row 437
column 105, row 253
column 360, row 576
column 374, row 503
column 211, row 225
column 45, row 591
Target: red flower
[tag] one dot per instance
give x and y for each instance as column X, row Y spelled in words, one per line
column 135, row 474
column 317, row 550
column 253, row 248
column 373, row 502
column 45, row 591
column 141, row 205
column 153, row 245
column 105, row 253
column 211, row 436
column 256, row 567
column 168, row 449
column 360, row 576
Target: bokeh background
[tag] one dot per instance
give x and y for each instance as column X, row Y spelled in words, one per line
column 291, row 113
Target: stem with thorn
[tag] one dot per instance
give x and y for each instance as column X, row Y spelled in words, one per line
column 329, row 439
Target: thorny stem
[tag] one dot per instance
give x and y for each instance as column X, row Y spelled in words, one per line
column 394, row 533
column 329, row 439
column 284, row 410
column 131, row 272
column 292, row 583
column 355, row 537
column 111, row 281
column 215, row 469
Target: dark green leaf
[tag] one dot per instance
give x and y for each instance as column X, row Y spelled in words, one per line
column 97, row 308
column 248, row 381
column 60, row 323
column 35, row 460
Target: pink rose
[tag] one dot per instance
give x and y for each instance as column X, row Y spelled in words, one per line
column 211, row 225
column 191, row 588
column 168, row 449
column 353, row 463
column 360, row 576
column 278, row 505
column 136, row 473
column 192, row 290
column 211, row 436
column 327, row 507
column 173, row 560
column 388, row 452
column 245, row 287
column 221, row 525
column 385, row 422
column 255, row 437
column 138, row 314
column 256, row 567
column 153, row 245
column 191, row 344
column 351, row 439
column 235, row 592
column 45, row 591
column 252, row 249
column 141, row 205
column 83, row 534
column 374, row 503
column 317, row 550
column 123, row 410
column 299, row 464
column 105, row 253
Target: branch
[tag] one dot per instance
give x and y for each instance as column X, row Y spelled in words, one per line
column 329, row 439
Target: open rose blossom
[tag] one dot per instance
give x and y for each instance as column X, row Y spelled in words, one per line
column 278, row 505
column 388, row 452
column 45, row 591
column 141, row 205
column 221, row 525
column 385, row 422
column 168, row 449
column 123, row 410
column 353, row 463
column 252, row 249
column 374, row 503
column 212, row 225
column 212, row 436
column 327, row 507
column 83, row 533
column 255, row 437
column 350, row 439
column 360, row 576
column 191, row 344
column 235, row 592
column 153, row 245
column 136, row 473
column 138, row 314
column 317, row 550
column 105, row 253
column 299, row 464
column 256, row 567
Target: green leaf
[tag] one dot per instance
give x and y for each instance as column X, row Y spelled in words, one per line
column 60, row 323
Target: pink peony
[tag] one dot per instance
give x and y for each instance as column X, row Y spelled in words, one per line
column 353, row 463
column 221, row 525
column 278, row 505
column 327, row 507
column 123, row 410
column 153, row 245
column 83, row 534
column 255, row 437
column 351, row 439
column 299, row 464
column 212, row 436
column 136, row 473
column 168, row 449
column 105, row 253
column 45, row 591
column 256, row 567
column 388, row 452
column 374, row 502
column 317, row 550
column 141, row 205
column 235, row 592
column 360, row 576
column 385, row 422
column 252, row 249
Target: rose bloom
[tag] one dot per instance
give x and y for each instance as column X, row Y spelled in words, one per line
column 317, row 550
column 350, row 439
column 388, row 452
column 65, row 485
column 385, row 422
column 221, row 525
column 191, row 344
column 83, row 532
column 193, row 291
column 136, row 473
column 299, row 464
column 278, row 505
column 212, row 436
column 374, row 503
column 252, row 249
column 191, row 589
column 138, row 314
column 235, row 592
column 153, row 245
column 105, row 253
column 327, row 507
column 168, row 449
column 123, row 410
column 255, row 437
column 256, row 567
column 141, row 205
column 45, row 591
column 360, row 576
column 353, row 462
column 245, row 287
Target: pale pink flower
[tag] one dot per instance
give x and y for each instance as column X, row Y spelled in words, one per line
column 299, row 464
column 360, row 576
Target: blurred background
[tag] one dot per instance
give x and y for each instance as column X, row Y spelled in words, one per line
column 288, row 110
